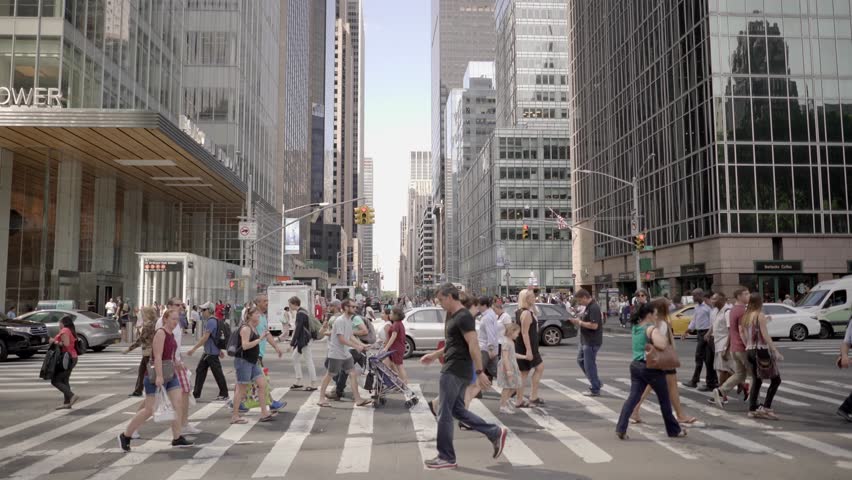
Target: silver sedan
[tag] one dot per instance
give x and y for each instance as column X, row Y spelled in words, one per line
column 93, row 330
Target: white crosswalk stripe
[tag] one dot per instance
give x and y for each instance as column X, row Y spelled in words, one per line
column 92, row 427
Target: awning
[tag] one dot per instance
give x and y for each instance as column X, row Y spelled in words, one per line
column 142, row 149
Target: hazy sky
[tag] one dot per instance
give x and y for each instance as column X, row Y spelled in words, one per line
column 396, row 104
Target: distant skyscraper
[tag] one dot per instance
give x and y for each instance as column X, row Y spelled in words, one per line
column 742, row 104
column 421, row 166
column 462, row 31
column 365, row 232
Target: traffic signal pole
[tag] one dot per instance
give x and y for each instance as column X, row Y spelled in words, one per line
column 634, row 230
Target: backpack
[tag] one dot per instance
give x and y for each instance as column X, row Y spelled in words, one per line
column 314, row 326
column 370, row 338
column 223, row 335
column 235, row 343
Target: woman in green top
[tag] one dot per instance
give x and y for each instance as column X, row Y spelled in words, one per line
column 645, row 330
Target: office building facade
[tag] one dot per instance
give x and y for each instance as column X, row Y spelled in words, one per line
column 746, row 108
column 462, row 31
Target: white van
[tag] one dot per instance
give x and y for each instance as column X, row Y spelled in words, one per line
column 831, row 302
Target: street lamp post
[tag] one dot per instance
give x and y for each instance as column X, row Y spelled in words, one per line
column 634, row 215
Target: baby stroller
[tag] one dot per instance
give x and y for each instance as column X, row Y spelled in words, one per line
column 385, row 382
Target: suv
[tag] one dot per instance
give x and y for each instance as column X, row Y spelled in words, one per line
column 21, row 337
column 553, row 323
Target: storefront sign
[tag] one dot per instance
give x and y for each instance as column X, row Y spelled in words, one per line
column 777, row 266
column 600, row 279
column 163, row 266
column 694, row 269
column 30, row 97
column 626, row 277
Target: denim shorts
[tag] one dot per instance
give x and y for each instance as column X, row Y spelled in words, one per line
column 247, row 372
column 151, row 387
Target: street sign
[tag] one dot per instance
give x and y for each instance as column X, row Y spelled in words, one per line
column 649, row 248
column 248, row 230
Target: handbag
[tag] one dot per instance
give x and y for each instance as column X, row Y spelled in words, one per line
column 665, row 359
column 163, row 409
column 168, row 370
column 767, row 368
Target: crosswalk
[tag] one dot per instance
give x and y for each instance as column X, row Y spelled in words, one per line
column 576, row 429
column 819, row 347
column 22, row 376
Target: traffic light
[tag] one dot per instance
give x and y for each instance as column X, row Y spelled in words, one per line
column 639, row 241
column 525, row 232
column 361, row 215
column 370, row 216
column 232, row 284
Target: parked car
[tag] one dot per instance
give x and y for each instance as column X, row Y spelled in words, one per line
column 21, row 337
column 794, row 323
column 553, row 322
column 681, row 318
column 424, row 328
column 93, row 330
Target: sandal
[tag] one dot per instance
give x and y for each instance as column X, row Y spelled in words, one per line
column 635, row 420
column 523, row 404
column 680, row 434
column 239, row 421
column 363, row 403
column 324, row 404
column 310, row 389
column 267, row 418
column 688, row 420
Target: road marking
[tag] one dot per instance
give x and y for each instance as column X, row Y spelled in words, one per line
column 821, row 447
column 26, row 384
column 425, row 426
column 800, row 393
column 834, row 384
column 516, row 451
column 52, row 415
column 198, row 466
column 577, row 443
column 715, row 412
column 278, row 461
column 26, row 390
column 24, row 376
column 356, row 454
column 725, row 437
column 785, row 401
column 815, row 388
column 357, row 451
column 599, row 409
column 61, row 430
column 845, row 435
column 160, row 442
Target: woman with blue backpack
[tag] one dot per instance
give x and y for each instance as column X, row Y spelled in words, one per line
column 300, row 343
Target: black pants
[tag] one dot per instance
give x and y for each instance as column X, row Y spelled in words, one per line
column 209, row 362
column 342, row 377
column 704, row 356
column 61, row 381
column 754, row 390
column 847, row 404
column 143, row 366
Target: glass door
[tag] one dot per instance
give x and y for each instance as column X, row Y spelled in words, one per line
column 768, row 288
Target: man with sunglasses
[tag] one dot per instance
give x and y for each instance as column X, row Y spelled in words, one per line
column 339, row 359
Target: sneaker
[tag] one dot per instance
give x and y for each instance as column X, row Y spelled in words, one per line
column 592, row 394
column 123, row 442
column 135, row 394
column 717, row 398
column 768, row 413
column 438, row 463
column 74, row 399
column 277, row 405
column 190, row 430
column 704, row 388
column 333, row 396
column 689, row 384
column 243, row 407
column 756, row 414
column 507, row 410
column 135, row 436
column 500, row 442
column 64, row 406
column 181, row 442
column 223, row 399
column 844, row 414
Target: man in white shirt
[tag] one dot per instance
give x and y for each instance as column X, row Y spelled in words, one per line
column 489, row 337
column 110, row 308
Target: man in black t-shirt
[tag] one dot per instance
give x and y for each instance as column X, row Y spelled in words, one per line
column 461, row 360
column 591, row 339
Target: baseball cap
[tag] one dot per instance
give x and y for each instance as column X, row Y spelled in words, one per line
column 206, row 306
column 335, row 303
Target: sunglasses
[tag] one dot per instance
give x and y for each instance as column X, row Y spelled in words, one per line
column 641, row 295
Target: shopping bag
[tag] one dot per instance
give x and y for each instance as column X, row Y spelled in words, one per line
column 163, row 410
column 253, row 394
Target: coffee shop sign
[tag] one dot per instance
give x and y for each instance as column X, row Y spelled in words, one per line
column 30, row 97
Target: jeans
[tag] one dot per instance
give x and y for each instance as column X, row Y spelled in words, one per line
column 640, row 377
column 847, row 404
column 754, row 391
column 451, row 405
column 705, row 353
column 61, row 380
column 587, row 360
column 143, row 367
column 212, row 362
column 308, row 357
column 740, row 372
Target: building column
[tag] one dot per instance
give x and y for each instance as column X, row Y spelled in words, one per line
column 66, row 247
column 6, row 164
column 103, row 237
column 156, row 228
column 131, row 242
column 199, row 231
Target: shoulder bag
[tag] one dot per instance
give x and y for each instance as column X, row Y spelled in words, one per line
column 665, row 359
column 767, row 368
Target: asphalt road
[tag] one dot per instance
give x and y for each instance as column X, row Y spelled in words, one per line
column 571, row 437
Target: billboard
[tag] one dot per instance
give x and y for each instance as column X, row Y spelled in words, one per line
column 291, row 237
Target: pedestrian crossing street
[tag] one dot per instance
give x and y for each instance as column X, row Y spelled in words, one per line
column 571, row 430
column 21, row 376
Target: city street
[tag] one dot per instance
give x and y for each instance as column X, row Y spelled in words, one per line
column 571, row 437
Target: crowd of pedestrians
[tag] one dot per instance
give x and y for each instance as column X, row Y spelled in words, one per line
column 733, row 349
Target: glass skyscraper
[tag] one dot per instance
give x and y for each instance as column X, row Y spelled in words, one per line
column 747, row 107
